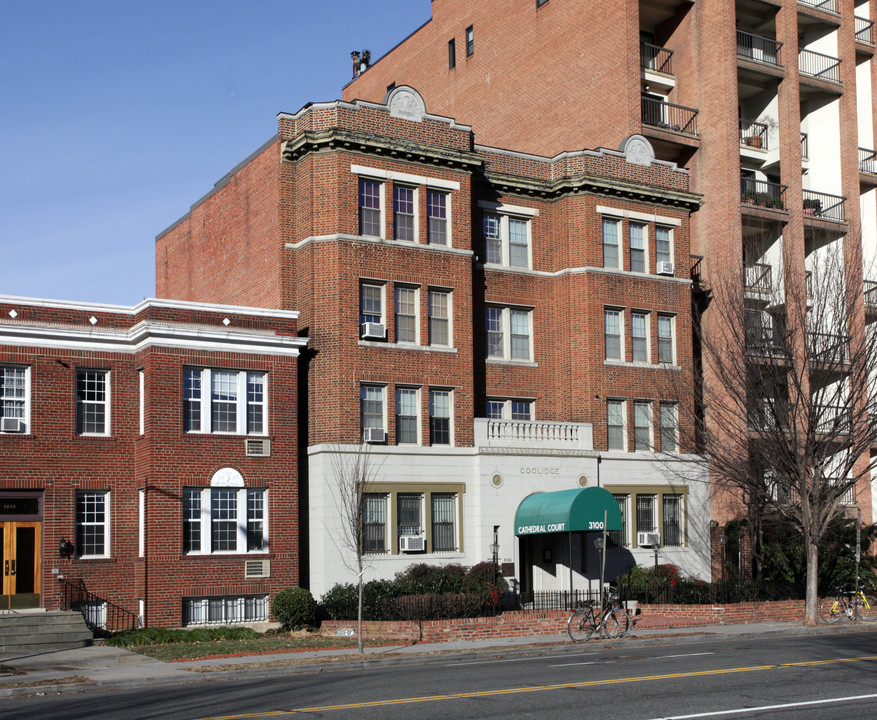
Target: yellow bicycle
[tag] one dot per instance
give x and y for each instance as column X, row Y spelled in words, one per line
column 849, row 604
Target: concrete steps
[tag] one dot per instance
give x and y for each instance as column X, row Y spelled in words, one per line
column 34, row 632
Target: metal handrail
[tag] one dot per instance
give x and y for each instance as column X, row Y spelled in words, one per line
column 753, row 134
column 762, row 193
column 99, row 614
column 824, row 205
column 668, row 116
column 829, row 5
column 758, row 277
column 870, row 292
column 655, row 57
column 819, row 65
column 758, row 47
column 868, row 160
column 805, row 146
column 863, row 30
column 828, row 347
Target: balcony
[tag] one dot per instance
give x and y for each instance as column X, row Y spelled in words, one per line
column 824, row 205
column 758, row 278
column 758, row 48
column 831, row 419
column 868, row 161
column 828, row 348
column 762, row 193
column 828, row 5
column 666, row 116
column 655, row 58
column 805, row 147
column 753, row 135
column 816, row 65
column 869, row 290
column 864, row 30
column 533, row 434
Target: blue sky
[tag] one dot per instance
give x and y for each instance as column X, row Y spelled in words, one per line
column 115, row 116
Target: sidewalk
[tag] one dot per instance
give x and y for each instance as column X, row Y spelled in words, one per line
column 103, row 667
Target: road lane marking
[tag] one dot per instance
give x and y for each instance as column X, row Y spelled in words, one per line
column 784, row 706
column 539, row 688
column 509, row 660
column 662, row 657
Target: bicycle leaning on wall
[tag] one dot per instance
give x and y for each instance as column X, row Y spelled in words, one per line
column 610, row 621
column 851, row 604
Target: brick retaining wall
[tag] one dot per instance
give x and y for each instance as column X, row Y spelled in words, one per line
column 553, row 622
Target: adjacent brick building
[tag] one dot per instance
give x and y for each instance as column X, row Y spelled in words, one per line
column 149, row 454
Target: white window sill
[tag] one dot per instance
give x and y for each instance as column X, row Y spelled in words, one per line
column 408, row 346
column 503, row 361
column 639, row 364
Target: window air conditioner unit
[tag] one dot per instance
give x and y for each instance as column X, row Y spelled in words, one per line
column 412, row 543
column 258, row 447
column 644, row 539
column 373, row 331
column 12, row 425
column 257, row 569
column 374, row 435
column 665, row 268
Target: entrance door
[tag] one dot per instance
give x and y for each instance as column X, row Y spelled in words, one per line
column 20, row 564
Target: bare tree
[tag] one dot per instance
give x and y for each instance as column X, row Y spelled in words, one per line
column 788, row 395
column 354, row 474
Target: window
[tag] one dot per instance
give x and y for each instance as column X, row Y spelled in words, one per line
column 224, row 401
column 407, row 416
column 404, row 216
column 437, row 217
column 663, row 244
column 444, row 535
column 440, row 318
column 440, row 417
column 371, row 407
column 409, row 513
column 642, row 425
column 220, row 610
column 224, row 520
column 510, row 409
column 508, row 333
column 639, row 325
column 14, row 398
column 611, row 232
column 665, row 339
column 374, row 523
column 669, row 427
column 370, row 206
column 671, row 535
column 612, row 333
column 645, row 514
column 141, row 523
column 371, row 303
column 540, row 3
column 507, row 240
column 470, row 40
column 621, row 537
column 406, row 314
column 141, row 397
column 615, row 411
column 452, row 54
column 638, row 247
column 92, row 524
column 92, row 402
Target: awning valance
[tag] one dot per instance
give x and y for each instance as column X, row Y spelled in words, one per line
column 567, row 511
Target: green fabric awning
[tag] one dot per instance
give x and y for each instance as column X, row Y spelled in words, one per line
column 567, row 511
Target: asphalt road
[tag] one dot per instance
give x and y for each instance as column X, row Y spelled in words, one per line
column 818, row 676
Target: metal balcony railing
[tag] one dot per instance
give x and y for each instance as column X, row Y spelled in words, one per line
column 824, row 205
column 753, row 134
column 667, row 116
column 808, row 284
column 656, row 58
column 828, row 348
column 758, row 47
column 868, row 160
column 831, row 420
column 870, row 292
column 864, row 30
column 100, row 615
column 817, row 65
column 805, row 147
column 758, row 278
column 830, row 5
column 762, row 193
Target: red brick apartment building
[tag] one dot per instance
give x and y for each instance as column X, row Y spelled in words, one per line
column 491, row 322
column 768, row 103
column 148, row 453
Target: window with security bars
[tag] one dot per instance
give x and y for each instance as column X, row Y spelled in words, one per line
column 92, row 402
column 407, row 403
column 671, row 532
column 437, row 217
column 374, row 523
column 439, row 417
column 639, row 337
column 637, row 247
column 225, row 610
column 14, row 393
column 370, row 193
column 224, row 401
column 224, row 520
column 620, row 537
column 406, row 314
column 665, row 339
column 444, row 536
column 439, row 317
column 92, row 520
column 408, row 513
column 645, row 514
column 404, row 199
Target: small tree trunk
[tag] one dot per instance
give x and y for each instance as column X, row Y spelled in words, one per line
column 811, row 597
column 359, row 613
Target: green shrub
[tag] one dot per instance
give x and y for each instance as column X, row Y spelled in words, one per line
column 295, row 608
column 422, row 579
column 163, row 636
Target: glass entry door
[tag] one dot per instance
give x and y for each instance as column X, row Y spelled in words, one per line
column 20, row 565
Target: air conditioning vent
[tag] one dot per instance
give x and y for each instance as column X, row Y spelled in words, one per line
column 257, row 569
column 11, row 425
column 373, row 331
column 412, row 543
column 258, row 447
column 374, row 435
column 648, row 539
column 666, row 268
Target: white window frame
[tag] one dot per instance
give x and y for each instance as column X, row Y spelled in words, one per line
column 141, row 382
column 414, row 215
column 645, row 245
column 654, row 525
column 669, row 410
column 680, row 498
column 642, row 410
column 447, row 392
column 14, row 399
column 141, row 523
column 241, row 520
column 454, row 504
column 415, row 392
column 506, row 408
column 81, row 522
column 381, row 209
column 81, row 404
column 608, row 220
column 242, row 402
column 448, row 319
column 382, row 391
column 504, row 213
column 447, row 219
column 671, row 323
column 421, row 496
column 621, row 405
column 645, row 316
column 659, row 256
column 382, row 291
column 245, row 609
column 399, row 290
column 505, row 319
column 616, row 314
